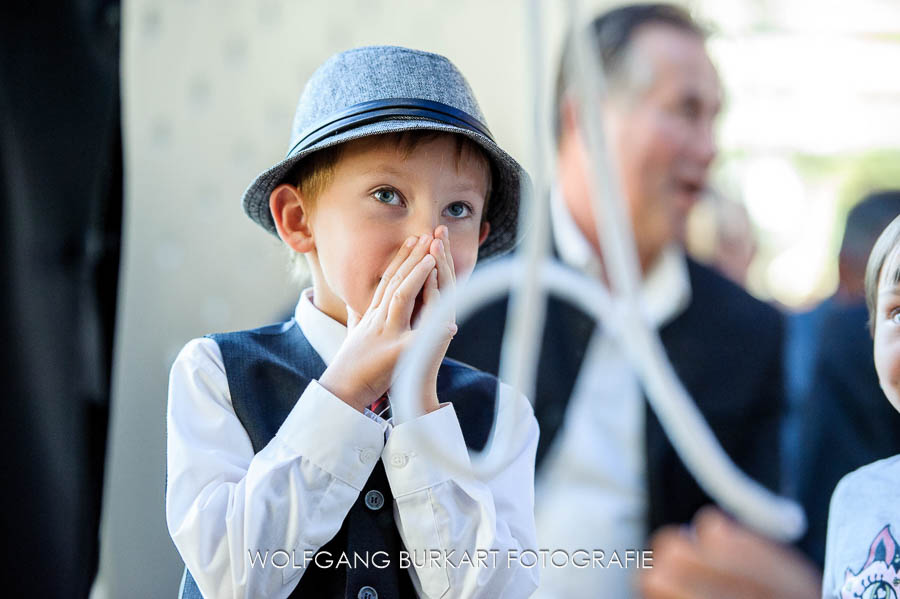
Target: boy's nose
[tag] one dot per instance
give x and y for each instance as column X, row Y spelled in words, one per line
column 424, row 224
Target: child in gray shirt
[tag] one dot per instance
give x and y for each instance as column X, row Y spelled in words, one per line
column 862, row 553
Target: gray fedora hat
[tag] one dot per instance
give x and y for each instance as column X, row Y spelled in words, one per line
column 384, row 89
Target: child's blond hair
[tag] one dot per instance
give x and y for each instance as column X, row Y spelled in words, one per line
column 885, row 253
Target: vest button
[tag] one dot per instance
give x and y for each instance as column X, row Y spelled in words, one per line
column 367, row 593
column 374, row 500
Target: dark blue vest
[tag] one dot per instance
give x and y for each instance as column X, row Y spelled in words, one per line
column 267, row 370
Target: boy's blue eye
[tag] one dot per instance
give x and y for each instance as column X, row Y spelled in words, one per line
column 895, row 315
column 386, row 196
column 458, row 210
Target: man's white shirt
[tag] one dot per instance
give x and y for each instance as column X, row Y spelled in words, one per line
column 224, row 502
column 590, row 492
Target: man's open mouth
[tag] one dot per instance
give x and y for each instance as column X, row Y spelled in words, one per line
column 692, row 188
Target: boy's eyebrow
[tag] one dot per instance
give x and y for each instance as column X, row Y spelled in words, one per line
column 465, row 186
column 389, row 169
column 384, row 168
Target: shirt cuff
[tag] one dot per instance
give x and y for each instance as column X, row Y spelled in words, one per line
column 425, row 452
column 329, row 433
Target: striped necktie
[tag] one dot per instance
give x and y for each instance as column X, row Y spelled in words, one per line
column 382, row 407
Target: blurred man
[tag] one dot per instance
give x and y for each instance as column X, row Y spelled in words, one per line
column 607, row 474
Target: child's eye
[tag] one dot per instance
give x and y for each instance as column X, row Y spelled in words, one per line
column 458, row 210
column 895, row 315
column 387, row 196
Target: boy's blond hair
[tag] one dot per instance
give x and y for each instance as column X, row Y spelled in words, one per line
column 885, row 253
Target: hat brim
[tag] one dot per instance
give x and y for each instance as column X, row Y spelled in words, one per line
column 509, row 182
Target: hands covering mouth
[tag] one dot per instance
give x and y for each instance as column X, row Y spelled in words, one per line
column 362, row 369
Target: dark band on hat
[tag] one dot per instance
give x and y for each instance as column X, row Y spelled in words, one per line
column 379, row 110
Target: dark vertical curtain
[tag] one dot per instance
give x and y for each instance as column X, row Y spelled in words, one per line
column 60, row 225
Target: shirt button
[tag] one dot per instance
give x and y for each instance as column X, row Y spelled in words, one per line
column 399, row 460
column 367, row 455
column 367, row 593
column 374, row 500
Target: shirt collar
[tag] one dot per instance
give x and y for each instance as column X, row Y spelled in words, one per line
column 665, row 290
column 574, row 249
column 323, row 332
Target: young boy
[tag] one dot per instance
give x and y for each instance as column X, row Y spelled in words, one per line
column 286, row 473
column 862, row 554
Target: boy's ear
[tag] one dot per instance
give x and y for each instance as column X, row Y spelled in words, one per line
column 485, row 229
column 291, row 218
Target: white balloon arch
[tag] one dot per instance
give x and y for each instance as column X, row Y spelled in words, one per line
column 531, row 273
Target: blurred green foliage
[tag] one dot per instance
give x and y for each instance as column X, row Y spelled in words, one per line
column 857, row 174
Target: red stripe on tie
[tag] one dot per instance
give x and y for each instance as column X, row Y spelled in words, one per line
column 379, row 404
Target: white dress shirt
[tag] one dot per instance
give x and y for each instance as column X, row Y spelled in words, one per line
column 224, row 503
column 590, row 492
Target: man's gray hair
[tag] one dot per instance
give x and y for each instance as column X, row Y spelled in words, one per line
column 611, row 35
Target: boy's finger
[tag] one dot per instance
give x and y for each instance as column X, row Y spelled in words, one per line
column 402, row 272
column 445, row 238
column 431, row 287
column 445, row 272
column 402, row 254
column 446, row 275
column 430, row 296
column 403, row 300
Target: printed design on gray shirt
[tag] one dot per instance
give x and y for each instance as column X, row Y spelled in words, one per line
column 879, row 578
